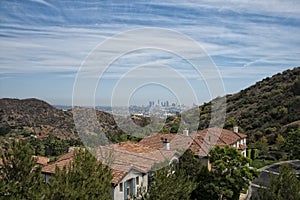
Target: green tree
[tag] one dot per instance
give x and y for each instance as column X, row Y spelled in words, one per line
column 292, row 144
column 55, row 146
column 171, row 183
column 204, row 190
column 190, row 164
column 281, row 187
column 261, row 145
column 20, row 177
column 84, row 178
column 231, row 173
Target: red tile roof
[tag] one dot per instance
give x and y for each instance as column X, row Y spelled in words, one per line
column 125, row 157
column 66, row 156
column 117, row 176
column 41, row 160
column 61, row 162
column 140, row 157
column 133, row 147
column 41, row 136
column 154, row 140
column 200, row 142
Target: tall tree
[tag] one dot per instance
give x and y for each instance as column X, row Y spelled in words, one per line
column 204, row 190
column 20, row 178
column 281, row 187
column 171, row 183
column 292, row 144
column 190, row 163
column 231, row 173
column 84, row 178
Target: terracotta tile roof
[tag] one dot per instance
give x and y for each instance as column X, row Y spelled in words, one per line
column 134, row 147
column 124, row 159
column 154, row 140
column 117, row 176
column 242, row 135
column 41, row 160
column 66, row 156
column 41, row 136
column 64, row 160
column 142, row 156
column 200, row 142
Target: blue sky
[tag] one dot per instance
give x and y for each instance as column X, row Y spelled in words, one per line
column 43, row 44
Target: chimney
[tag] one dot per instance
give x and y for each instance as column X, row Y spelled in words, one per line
column 185, row 132
column 166, row 143
column 236, row 129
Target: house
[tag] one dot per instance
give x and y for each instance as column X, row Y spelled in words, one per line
column 200, row 142
column 135, row 162
column 131, row 165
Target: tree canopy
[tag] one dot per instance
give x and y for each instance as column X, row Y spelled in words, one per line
column 171, row 183
column 84, row 178
column 20, row 177
column 231, row 173
column 292, row 144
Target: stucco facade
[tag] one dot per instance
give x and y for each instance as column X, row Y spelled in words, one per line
column 129, row 185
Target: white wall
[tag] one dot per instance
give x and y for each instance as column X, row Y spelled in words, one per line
column 143, row 180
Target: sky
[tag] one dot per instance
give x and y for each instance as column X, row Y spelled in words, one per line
column 45, row 46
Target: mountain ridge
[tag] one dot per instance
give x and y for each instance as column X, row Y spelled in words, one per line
column 265, row 108
column 37, row 117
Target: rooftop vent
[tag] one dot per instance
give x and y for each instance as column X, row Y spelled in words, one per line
column 236, row 129
column 166, row 143
column 185, row 132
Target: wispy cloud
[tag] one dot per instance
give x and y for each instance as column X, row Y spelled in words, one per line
column 242, row 37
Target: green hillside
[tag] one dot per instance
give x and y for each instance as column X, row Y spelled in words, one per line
column 266, row 108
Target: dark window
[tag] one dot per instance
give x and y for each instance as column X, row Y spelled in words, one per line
column 137, row 180
column 121, row 187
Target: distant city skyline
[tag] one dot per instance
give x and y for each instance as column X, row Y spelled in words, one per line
column 44, row 42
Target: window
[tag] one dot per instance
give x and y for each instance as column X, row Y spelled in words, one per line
column 121, row 187
column 137, row 180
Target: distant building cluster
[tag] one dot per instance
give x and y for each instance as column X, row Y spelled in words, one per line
column 163, row 104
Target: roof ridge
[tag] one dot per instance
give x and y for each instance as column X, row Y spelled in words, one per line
column 133, row 153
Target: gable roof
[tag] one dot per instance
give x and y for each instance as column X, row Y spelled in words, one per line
column 117, row 176
column 154, row 141
column 61, row 162
column 41, row 160
column 125, row 156
column 199, row 142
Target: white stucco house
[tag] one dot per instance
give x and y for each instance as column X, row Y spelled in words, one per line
column 132, row 163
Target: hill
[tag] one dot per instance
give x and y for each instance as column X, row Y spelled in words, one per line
column 267, row 108
column 33, row 116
